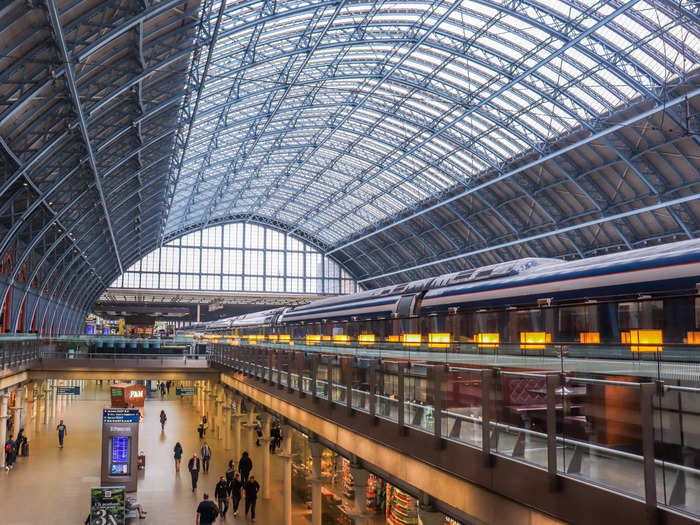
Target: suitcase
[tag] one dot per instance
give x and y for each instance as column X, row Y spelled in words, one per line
column 25, row 448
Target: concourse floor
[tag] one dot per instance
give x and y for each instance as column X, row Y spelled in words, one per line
column 52, row 485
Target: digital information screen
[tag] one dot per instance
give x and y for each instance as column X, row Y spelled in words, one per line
column 120, row 455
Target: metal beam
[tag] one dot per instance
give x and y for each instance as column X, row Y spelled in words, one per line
column 55, row 20
column 559, row 231
column 522, row 168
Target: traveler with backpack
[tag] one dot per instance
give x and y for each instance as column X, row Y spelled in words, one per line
column 221, row 495
column 245, row 465
column 163, row 419
column 206, row 511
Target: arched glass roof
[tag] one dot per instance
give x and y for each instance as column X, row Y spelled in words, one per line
column 401, row 138
column 333, row 116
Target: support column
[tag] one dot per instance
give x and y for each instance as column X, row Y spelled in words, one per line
column 250, row 427
column 286, row 475
column 265, row 443
column 46, row 396
column 219, row 412
column 18, row 408
column 227, row 418
column 55, row 399
column 238, row 418
column 29, row 409
column 4, row 399
column 316, row 502
column 359, row 476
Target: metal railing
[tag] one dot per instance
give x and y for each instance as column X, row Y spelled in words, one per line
column 560, row 432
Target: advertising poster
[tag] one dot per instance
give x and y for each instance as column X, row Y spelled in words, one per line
column 107, row 505
column 186, row 391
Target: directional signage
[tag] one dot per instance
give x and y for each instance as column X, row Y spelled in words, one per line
column 68, row 390
column 120, row 415
column 186, row 391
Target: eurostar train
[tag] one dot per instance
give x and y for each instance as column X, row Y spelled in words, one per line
column 636, row 300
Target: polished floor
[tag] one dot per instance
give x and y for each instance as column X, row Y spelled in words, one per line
column 52, row 485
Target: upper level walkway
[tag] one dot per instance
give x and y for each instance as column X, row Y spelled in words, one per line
column 576, row 447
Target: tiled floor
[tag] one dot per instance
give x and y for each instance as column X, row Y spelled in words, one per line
column 52, row 485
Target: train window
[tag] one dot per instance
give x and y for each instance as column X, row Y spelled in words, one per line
column 578, row 324
column 640, row 315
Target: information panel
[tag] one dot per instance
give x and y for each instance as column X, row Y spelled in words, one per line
column 186, row 391
column 107, row 505
column 67, row 390
column 120, row 415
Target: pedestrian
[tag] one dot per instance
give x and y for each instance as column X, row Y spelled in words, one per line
column 200, row 429
column 245, row 465
column 206, row 511
column 19, row 443
column 251, row 495
column 206, row 458
column 9, row 454
column 221, row 495
column 163, row 419
column 194, row 466
column 204, row 425
column 62, row 431
column 234, row 489
column 258, row 433
column 276, row 436
column 177, row 454
column 162, row 390
column 168, row 383
column 230, row 472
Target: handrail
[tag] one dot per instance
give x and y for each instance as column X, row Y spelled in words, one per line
column 571, row 441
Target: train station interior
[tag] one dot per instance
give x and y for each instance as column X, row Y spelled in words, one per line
column 350, row 262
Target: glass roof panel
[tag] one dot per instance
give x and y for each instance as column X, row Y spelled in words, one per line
column 333, row 116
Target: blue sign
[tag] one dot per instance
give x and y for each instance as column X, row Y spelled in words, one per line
column 120, row 415
column 68, row 390
column 186, row 391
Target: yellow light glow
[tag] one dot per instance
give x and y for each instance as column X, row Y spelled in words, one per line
column 234, row 342
column 340, row 339
column 312, row 339
column 273, row 338
column 646, row 337
column 592, row 338
column 365, row 339
column 285, row 338
column 326, row 338
column 410, row 339
column 487, row 340
column 693, row 338
column 538, row 338
column 625, row 338
column 439, row 340
column 393, row 338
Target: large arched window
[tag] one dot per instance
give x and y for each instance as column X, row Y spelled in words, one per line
column 238, row 258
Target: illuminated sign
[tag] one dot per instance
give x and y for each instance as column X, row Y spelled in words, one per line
column 120, row 415
column 68, row 390
column 135, row 393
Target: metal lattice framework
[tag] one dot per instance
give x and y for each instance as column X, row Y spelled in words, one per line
column 402, row 138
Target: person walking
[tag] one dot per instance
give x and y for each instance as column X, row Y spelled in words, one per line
column 193, row 466
column 221, row 496
column 206, row 458
column 245, row 465
column 177, row 454
column 168, row 383
column 62, row 431
column 162, row 390
column 163, row 419
column 251, row 489
column 206, row 511
column 9, row 454
column 234, row 489
column 230, row 472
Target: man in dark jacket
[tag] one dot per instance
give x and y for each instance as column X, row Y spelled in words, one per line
column 194, row 465
column 251, row 496
column 206, row 511
column 221, row 495
column 234, row 489
column 245, row 465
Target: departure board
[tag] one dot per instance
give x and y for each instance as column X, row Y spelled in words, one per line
column 120, row 455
